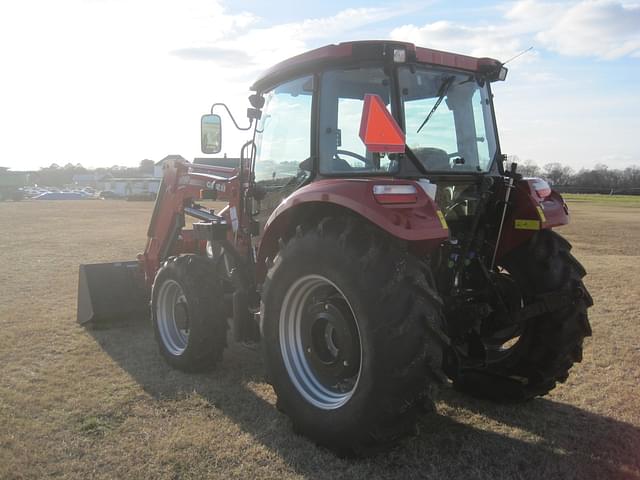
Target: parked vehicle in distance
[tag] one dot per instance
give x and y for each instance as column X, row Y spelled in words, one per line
column 106, row 194
column 60, row 196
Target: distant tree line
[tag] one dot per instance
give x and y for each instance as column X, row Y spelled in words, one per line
column 600, row 179
column 57, row 176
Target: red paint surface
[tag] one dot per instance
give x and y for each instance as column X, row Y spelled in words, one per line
column 416, row 223
column 395, row 198
column 525, row 200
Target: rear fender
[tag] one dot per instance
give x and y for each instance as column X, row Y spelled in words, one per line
column 420, row 224
column 529, row 214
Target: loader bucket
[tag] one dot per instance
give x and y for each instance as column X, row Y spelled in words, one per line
column 110, row 292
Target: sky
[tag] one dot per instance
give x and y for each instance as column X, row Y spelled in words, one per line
column 112, row 82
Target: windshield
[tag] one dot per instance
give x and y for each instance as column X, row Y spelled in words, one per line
column 448, row 120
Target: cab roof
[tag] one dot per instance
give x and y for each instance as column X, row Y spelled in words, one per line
column 351, row 53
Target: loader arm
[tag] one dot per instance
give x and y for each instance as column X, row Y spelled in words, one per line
column 119, row 290
column 181, row 187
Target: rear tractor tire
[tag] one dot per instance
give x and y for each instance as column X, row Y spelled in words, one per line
column 549, row 344
column 353, row 335
column 188, row 314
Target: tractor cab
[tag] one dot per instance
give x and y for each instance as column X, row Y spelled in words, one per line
column 446, row 116
column 313, row 118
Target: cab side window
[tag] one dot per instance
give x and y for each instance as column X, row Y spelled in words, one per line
column 283, row 137
column 341, row 103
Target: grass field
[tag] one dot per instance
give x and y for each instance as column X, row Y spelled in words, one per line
column 598, row 199
column 77, row 403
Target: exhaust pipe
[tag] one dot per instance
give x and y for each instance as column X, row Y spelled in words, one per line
column 109, row 292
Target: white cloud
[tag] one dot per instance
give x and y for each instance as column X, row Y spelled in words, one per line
column 226, row 56
column 484, row 41
column 606, row 29
column 527, row 16
column 269, row 45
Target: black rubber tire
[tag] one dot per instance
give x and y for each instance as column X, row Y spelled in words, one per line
column 399, row 317
column 551, row 343
column 208, row 325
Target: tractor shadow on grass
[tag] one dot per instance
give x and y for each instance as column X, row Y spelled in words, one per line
column 469, row 439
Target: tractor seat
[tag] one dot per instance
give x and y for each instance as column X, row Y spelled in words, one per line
column 433, row 158
column 340, row 165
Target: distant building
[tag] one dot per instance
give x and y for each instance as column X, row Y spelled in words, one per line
column 11, row 184
column 159, row 166
column 18, row 179
column 124, row 187
column 87, row 179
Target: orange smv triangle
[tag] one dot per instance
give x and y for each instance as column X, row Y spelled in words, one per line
column 378, row 129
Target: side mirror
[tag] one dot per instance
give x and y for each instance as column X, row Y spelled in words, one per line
column 210, row 133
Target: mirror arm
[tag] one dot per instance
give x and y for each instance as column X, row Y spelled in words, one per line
column 232, row 117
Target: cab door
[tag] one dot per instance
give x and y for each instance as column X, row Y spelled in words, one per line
column 283, row 143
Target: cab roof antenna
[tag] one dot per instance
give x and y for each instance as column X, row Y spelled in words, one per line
column 518, row 55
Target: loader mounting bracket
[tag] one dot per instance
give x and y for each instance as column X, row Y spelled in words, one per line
column 211, row 231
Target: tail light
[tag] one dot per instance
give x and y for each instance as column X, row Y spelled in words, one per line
column 542, row 188
column 395, row 194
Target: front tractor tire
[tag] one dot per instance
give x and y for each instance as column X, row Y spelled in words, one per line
column 550, row 343
column 353, row 335
column 188, row 314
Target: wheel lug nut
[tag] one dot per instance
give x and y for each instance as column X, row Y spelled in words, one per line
column 309, row 350
column 345, row 363
column 326, row 306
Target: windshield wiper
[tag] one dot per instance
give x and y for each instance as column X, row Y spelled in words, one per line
column 442, row 91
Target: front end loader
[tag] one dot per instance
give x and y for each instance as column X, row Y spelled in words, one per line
column 373, row 241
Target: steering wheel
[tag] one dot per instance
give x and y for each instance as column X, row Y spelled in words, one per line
column 357, row 156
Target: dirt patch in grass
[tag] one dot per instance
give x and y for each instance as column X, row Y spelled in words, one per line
column 77, row 403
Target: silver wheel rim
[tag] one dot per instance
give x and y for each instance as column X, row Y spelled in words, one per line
column 172, row 317
column 322, row 351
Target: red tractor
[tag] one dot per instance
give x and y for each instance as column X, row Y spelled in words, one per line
column 373, row 242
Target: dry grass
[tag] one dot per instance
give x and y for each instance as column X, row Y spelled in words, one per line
column 76, row 403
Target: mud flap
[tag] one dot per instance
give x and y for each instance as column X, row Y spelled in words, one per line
column 111, row 292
